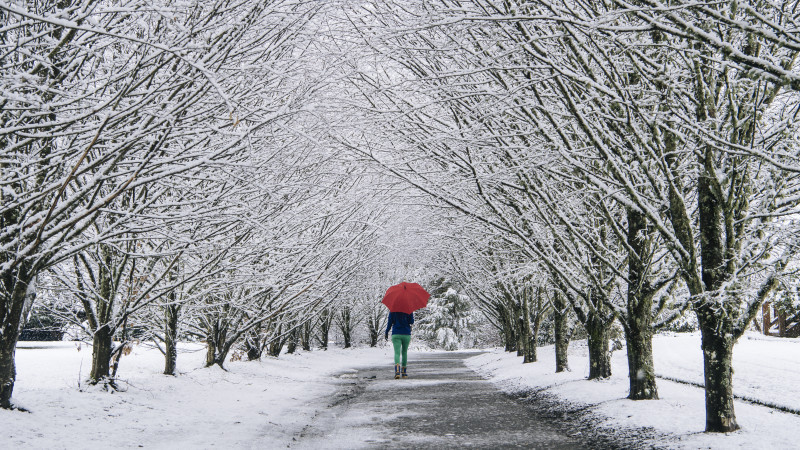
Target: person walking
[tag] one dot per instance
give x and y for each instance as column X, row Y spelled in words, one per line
column 400, row 324
column 402, row 300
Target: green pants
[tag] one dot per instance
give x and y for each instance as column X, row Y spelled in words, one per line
column 400, row 342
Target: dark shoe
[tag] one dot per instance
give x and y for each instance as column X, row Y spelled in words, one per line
column 397, row 371
column 405, row 375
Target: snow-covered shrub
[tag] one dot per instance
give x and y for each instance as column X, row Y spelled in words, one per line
column 787, row 298
column 449, row 322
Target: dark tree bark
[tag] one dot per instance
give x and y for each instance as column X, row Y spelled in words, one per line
column 716, row 329
column 275, row 346
column 529, row 337
column 305, row 337
column 291, row 343
column 374, row 322
column 14, row 288
column 325, row 321
column 345, row 323
column 373, row 333
column 102, row 346
column 218, row 347
column 598, row 333
column 539, row 312
column 597, row 322
column 211, row 351
column 522, row 332
column 253, row 345
column 347, row 340
column 561, row 331
column 509, row 334
column 718, row 376
column 171, row 315
column 639, row 344
column 638, row 318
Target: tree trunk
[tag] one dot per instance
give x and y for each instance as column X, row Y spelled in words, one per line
column 253, row 344
column 346, row 326
column 537, row 323
column 529, row 339
column 522, row 333
column 101, row 354
column 8, row 372
column 305, row 337
column 508, row 335
column 561, row 331
column 509, row 339
column 217, row 348
column 373, row 332
column 638, row 318
column 717, row 332
column 291, row 343
column 102, row 341
column 598, row 334
column 14, row 287
column 323, row 340
column 275, row 347
column 171, row 314
column 324, row 329
column 211, row 351
column 718, row 375
column 641, row 372
column 347, row 339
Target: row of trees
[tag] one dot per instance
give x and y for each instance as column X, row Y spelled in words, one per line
column 626, row 161
column 167, row 174
column 197, row 169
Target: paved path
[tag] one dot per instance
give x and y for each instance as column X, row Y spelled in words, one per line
column 443, row 404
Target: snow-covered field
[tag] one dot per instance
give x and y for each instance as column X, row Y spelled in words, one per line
column 252, row 405
column 266, row 404
column 766, row 370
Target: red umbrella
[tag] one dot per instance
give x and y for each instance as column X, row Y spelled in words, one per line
column 406, row 297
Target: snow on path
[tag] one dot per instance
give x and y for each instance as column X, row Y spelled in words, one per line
column 260, row 404
column 442, row 405
column 764, row 368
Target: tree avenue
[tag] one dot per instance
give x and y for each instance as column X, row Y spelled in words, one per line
column 253, row 175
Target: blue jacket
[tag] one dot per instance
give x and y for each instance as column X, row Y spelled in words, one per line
column 401, row 322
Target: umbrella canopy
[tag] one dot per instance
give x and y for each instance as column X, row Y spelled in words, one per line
column 406, row 298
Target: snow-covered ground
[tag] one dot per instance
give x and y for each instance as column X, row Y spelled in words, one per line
column 266, row 404
column 261, row 404
column 766, row 370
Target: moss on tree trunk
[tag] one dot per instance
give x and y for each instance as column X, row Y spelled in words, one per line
column 718, row 375
column 598, row 333
column 171, row 314
column 305, row 337
column 13, row 300
column 101, row 355
column 638, row 317
column 715, row 326
column 561, row 331
column 641, row 373
column 291, row 343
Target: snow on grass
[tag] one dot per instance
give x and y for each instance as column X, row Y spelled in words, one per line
column 765, row 369
column 259, row 404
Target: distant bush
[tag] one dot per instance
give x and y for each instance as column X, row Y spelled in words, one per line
column 43, row 325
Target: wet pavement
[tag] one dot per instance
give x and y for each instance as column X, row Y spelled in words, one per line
column 443, row 404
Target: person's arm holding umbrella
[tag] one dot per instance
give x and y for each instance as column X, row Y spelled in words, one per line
column 389, row 324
